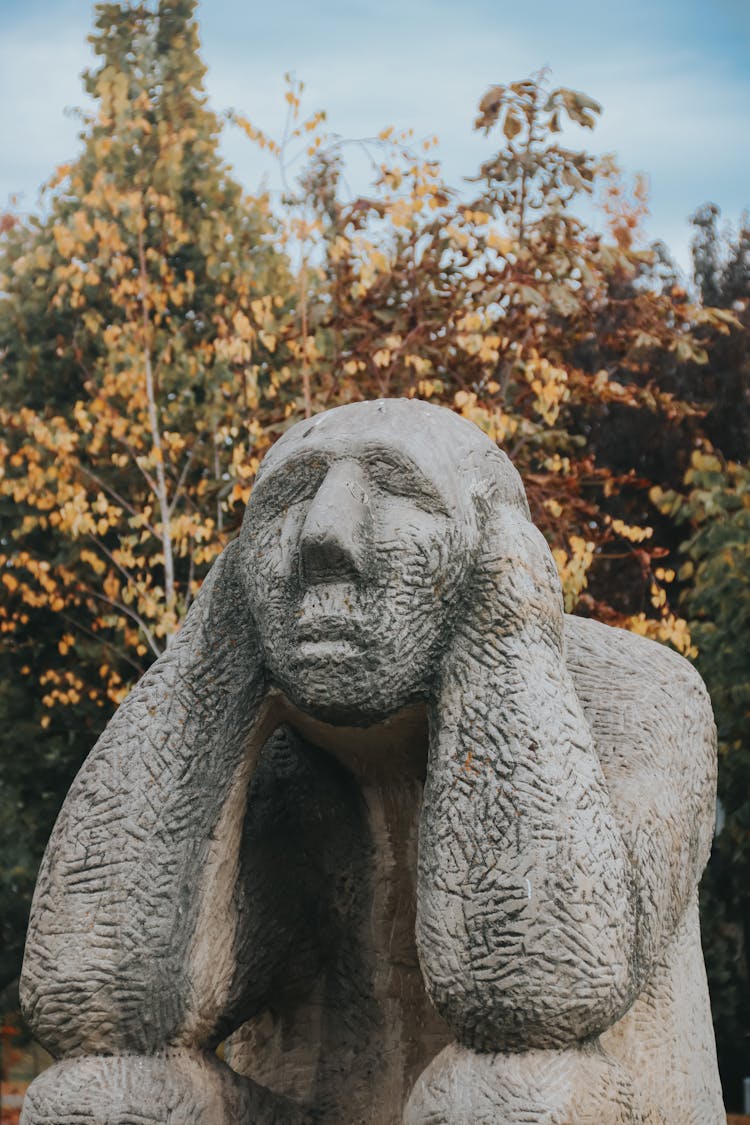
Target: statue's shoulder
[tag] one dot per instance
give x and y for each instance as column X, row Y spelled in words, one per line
column 615, row 658
column 618, row 673
column 653, row 728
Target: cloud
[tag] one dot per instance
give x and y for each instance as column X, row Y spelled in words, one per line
column 39, row 78
column 671, row 78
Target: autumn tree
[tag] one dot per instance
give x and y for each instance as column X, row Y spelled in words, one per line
column 502, row 304
column 137, row 345
column 135, row 348
column 159, row 330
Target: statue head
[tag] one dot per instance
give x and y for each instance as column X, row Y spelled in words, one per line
column 357, row 544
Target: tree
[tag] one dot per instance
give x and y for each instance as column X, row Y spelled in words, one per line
column 507, row 308
column 137, row 338
column 721, row 268
column 709, row 507
column 714, row 508
column 130, row 318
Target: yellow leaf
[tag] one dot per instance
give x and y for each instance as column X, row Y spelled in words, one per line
column 705, row 462
column 512, row 126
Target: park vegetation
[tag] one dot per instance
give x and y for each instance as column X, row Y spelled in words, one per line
column 159, row 329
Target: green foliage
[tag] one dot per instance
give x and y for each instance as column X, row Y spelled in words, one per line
column 715, row 503
column 721, row 267
column 715, row 506
column 36, row 767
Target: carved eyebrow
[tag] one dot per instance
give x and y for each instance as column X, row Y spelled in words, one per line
column 304, row 459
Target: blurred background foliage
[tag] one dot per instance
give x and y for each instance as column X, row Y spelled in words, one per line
column 159, row 328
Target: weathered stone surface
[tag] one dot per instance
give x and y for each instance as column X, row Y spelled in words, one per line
column 426, row 847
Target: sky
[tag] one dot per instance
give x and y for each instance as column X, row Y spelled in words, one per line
column 673, row 77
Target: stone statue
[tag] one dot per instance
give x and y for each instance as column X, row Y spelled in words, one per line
column 421, row 847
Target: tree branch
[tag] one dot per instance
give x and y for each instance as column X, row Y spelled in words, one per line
column 161, row 490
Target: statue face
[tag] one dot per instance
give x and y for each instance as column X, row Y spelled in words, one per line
column 354, row 547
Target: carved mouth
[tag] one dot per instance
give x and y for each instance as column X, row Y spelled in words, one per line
column 329, row 631
column 328, row 617
column 331, row 654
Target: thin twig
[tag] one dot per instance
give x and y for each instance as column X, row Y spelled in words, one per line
column 121, row 652
column 126, row 575
column 181, row 481
column 117, row 497
column 128, row 613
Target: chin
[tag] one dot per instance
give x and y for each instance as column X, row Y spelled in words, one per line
column 330, row 682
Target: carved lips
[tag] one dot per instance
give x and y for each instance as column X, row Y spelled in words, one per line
column 328, row 625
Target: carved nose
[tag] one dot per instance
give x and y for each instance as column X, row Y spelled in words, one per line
column 335, row 534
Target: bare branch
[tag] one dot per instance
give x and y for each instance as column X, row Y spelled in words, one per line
column 179, row 486
column 161, row 489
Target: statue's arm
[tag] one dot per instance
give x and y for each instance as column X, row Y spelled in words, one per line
column 130, row 950
column 526, row 922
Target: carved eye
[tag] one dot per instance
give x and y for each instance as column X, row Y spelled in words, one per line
column 391, row 478
column 299, row 488
column 294, row 483
column 398, row 478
